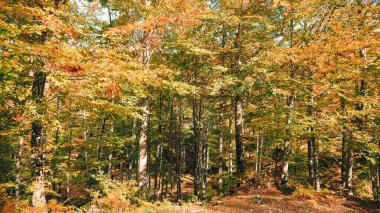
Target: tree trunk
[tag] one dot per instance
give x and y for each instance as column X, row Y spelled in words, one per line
column 261, row 151
column 343, row 168
column 148, row 155
column 312, row 153
column 143, row 158
column 285, row 166
column 196, row 147
column 257, row 152
column 158, row 163
column 37, row 144
column 110, row 155
column 205, row 159
column 289, row 104
column 99, row 149
column 310, row 160
column 221, row 160
column 68, row 173
column 131, row 151
column 109, row 170
column 178, row 153
column 374, row 180
column 315, row 163
column 349, row 166
column 57, row 114
column 172, row 144
column 378, row 175
column 18, row 167
column 240, row 161
column 230, row 134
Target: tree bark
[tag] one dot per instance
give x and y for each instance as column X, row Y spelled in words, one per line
column 240, row 161
column 172, row 124
column 18, row 167
column 374, row 180
column 349, row 166
column 310, row 160
column 289, row 104
column 143, row 158
column 261, row 150
column 110, row 155
column 315, row 162
column 131, row 151
column 158, row 163
column 196, row 137
column 344, row 146
column 221, row 160
column 178, row 152
column 37, row 144
column 378, row 175
column 230, row 134
column 257, row 152
column 205, row 160
column 285, row 166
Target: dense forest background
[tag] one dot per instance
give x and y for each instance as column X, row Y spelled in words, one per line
column 128, row 100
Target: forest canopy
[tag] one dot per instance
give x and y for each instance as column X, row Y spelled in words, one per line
column 134, row 101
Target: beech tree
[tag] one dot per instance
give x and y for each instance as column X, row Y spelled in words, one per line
column 152, row 100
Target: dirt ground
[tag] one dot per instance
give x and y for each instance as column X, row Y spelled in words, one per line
column 272, row 200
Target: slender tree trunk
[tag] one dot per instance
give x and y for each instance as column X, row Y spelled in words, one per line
column 205, row 159
column 68, row 173
column 349, row 168
column 257, row 152
column 285, row 167
column 201, row 151
column 196, row 148
column 110, row 155
column 374, row 181
column 99, row 148
column 178, row 152
column 240, row 161
column 109, row 170
column 160, row 169
column 315, row 163
column 57, row 114
column 148, row 155
column 158, row 163
column 230, row 134
column 57, row 140
column 221, row 160
column 84, row 139
column 172, row 144
column 289, row 104
column 162, row 174
column 261, row 150
column 86, row 160
column 310, row 160
column 344, row 146
column 143, row 158
column 311, row 140
column 18, row 167
column 37, row 144
column 378, row 175
column 131, row 151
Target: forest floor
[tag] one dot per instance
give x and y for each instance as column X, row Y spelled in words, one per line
column 248, row 199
